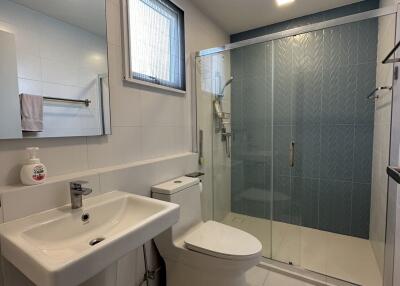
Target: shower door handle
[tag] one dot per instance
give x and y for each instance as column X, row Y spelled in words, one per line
column 291, row 153
column 201, row 154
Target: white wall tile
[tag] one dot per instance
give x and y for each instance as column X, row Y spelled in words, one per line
column 29, row 67
column 61, row 72
column 123, row 146
column 157, row 141
column 137, row 180
column 25, row 29
column 162, row 109
column 163, row 134
column 70, row 155
column 114, row 30
column 30, row 200
column 167, row 170
column 125, row 100
column 115, row 64
column 30, row 86
column 58, row 41
column 179, row 144
column 125, row 106
column 61, row 155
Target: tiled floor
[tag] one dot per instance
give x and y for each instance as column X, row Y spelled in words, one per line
column 343, row 257
column 261, row 277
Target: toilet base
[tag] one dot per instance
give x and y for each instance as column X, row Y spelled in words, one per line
column 179, row 274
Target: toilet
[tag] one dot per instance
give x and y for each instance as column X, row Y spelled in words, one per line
column 198, row 253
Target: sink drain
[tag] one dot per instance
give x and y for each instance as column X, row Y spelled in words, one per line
column 85, row 217
column 96, row 241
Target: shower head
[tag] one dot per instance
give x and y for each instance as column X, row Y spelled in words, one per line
column 221, row 94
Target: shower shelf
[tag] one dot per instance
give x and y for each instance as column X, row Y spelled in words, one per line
column 226, row 115
column 388, row 59
column 372, row 94
column 394, row 173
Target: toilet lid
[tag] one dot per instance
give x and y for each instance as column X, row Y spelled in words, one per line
column 223, row 241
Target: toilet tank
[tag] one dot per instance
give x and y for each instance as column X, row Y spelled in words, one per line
column 185, row 192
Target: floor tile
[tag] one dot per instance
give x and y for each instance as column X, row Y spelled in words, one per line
column 256, row 276
column 343, row 257
column 276, row 279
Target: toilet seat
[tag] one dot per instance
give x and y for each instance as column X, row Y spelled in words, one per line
column 223, row 241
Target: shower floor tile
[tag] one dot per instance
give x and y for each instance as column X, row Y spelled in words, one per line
column 343, row 257
column 258, row 276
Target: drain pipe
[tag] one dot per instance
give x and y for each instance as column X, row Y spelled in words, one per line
column 146, row 268
column 149, row 274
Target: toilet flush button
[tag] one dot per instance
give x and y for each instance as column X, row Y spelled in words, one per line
column 178, row 182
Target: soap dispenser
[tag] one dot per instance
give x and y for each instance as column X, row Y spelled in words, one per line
column 33, row 172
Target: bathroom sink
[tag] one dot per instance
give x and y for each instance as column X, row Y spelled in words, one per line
column 63, row 247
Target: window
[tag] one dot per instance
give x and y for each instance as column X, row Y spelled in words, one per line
column 156, row 46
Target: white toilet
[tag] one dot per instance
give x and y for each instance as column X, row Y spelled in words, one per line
column 200, row 253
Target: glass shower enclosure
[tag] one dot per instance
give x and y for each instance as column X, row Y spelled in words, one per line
column 289, row 150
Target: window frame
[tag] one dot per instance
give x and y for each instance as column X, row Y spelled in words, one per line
column 127, row 74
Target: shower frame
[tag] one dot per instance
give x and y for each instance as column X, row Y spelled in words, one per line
column 390, row 10
column 391, row 274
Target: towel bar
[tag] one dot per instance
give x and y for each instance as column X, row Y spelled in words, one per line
column 83, row 101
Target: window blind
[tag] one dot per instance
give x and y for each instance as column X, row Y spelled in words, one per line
column 156, row 42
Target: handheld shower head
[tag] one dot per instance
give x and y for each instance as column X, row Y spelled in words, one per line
column 221, row 94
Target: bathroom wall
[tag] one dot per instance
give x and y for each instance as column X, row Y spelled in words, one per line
column 384, row 77
column 57, row 59
column 320, row 83
column 140, row 116
column 146, row 123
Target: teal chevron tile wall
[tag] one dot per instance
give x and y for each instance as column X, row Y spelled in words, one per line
column 310, row 89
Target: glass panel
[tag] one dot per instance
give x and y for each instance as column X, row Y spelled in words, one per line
column 239, row 167
column 305, row 172
column 251, row 119
column 285, row 230
column 381, row 145
column 324, row 219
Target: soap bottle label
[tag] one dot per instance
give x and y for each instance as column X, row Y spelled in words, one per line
column 38, row 173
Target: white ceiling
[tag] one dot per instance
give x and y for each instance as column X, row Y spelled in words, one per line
column 86, row 14
column 236, row 16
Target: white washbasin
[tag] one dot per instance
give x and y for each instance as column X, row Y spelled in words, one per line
column 53, row 248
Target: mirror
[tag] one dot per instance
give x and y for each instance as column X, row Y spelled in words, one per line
column 53, row 69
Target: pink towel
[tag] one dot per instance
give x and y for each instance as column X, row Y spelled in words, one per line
column 31, row 112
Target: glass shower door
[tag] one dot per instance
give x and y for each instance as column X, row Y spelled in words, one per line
column 285, row 229
column 323, row 146
column 251, row 148
column 304, row 173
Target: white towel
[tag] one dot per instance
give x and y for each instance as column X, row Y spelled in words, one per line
column 31, row 112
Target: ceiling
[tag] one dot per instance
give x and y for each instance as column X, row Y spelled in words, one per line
column 236, row 16
column 87, row 14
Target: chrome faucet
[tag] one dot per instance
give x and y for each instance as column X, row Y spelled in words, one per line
column 77, row 191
